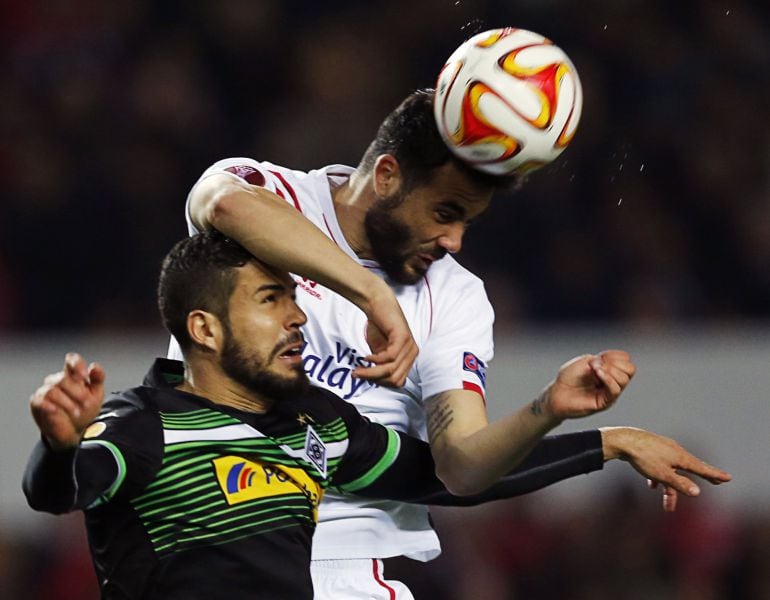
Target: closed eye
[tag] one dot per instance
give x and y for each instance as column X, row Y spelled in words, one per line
column 449, row 211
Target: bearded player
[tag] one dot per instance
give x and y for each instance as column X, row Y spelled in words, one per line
column 355, row 238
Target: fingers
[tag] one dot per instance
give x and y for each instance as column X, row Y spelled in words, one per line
column 68, row 401
column 75, row 367
column 69, row 390
column 709, row 472
column 391, row 364
column 677, row 483
column 75, row 385
column 620, row 359
column 681, row 484
column 39, row 403
column 96, row 378
column 662, row 461
column 389, row 371
column 607, row 379
column 672, row 486
column 381, row 374
column 670, row 474
column 57, row 399
column 617, row 364
column 670, row 497
column 614, row 369
column 616, row 373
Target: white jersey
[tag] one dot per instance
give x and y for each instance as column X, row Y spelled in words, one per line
column 451, row 320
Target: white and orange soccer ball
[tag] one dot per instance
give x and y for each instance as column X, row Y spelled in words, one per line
column 508, row 101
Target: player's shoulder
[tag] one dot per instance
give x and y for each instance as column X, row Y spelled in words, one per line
column 155, row 393
column 129, row 403
column 251, row 170
column 234, row 163
column 325, row 406
column 242, row 166
column 127, row 418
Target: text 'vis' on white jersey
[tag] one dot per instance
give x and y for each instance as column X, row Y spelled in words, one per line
column 451, row 320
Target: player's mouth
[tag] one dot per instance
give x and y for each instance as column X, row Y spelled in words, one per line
column 292, row 353
column 427, row 259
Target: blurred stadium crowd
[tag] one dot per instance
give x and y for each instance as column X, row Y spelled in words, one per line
column 624, row 550
column 659, row 213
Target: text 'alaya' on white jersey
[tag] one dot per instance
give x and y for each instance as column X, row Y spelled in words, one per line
column 451, row 320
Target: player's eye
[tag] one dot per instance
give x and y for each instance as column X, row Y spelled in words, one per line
column 444, row 216
column 269, row 298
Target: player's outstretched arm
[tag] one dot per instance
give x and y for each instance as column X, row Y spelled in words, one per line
column 279, row 235
column 661, row 460
column 471, row 454
column 68, row 401
column 411, row 475
column 555, row 458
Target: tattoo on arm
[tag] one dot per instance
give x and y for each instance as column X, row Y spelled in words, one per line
column 440, row 416
column 538, row 404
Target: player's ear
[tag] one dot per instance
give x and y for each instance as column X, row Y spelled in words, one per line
column 386, row 176
column 205, row 329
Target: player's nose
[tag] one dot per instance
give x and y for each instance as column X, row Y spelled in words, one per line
column 452, row 239
column 296, row 317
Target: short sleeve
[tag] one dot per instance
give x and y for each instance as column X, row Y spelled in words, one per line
column 246, row 169
column 460, row 345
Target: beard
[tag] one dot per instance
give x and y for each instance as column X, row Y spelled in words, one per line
column 250, row 370
column 390, row 240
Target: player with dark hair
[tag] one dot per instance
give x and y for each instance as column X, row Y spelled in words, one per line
column 396, row 220
column 205, row 481
column 410, row 134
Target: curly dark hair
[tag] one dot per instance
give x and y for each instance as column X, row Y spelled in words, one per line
column 198, row 273
column 411, row 135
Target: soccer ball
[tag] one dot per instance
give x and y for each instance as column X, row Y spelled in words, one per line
column 508, row 101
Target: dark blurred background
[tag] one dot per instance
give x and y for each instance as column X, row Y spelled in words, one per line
column 109, row 112
column 657, row 215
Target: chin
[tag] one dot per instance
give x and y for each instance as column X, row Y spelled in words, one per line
column 413, row 274
column 406, row 277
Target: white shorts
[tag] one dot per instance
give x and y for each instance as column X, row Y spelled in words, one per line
column 355, row 579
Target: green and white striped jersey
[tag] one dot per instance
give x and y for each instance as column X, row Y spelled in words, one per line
column 185, row 498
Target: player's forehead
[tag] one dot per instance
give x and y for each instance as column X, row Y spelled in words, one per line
column 255, row 275
column 448, row 183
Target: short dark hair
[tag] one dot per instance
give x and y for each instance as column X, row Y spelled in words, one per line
column 198, row 273
column 411, row 135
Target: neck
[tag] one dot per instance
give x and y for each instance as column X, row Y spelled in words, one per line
column 351, row 201
column 213, row 385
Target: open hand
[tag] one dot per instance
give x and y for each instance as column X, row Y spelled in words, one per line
column 68, row 401
column 661, row 460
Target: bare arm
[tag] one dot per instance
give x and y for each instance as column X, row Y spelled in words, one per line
column 270, row 229
column 472, row 454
